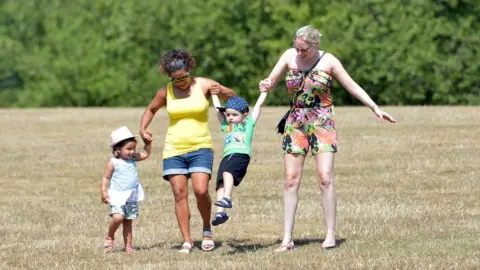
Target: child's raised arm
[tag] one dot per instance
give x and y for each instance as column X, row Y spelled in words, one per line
column 216, row 103
column 147, row 149
column 258, row 106
column 107, row 175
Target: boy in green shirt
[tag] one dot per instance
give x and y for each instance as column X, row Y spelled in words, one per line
column 238, row 126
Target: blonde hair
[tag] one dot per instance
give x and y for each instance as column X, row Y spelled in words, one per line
column 309, row 34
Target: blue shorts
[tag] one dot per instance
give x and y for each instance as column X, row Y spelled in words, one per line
column 200, row 160
column 129, row 210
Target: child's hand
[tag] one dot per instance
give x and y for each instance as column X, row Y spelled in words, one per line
column 105, row 198
column 265, row 85
column 147, row 137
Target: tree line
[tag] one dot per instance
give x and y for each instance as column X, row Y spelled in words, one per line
column 105, row 53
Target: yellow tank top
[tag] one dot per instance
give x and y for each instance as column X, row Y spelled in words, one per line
column 188, row 129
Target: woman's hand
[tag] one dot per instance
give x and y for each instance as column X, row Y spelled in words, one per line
column 215, row 89
column 265, row 85
column 147, row 136
column 383, row 115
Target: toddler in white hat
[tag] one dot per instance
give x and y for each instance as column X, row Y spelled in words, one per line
column 120, row 187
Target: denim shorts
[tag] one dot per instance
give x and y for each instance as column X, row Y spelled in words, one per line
column 200, row 160
column 129, row 210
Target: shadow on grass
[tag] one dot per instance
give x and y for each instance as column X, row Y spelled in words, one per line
column 245, row 246
column 309, row 241
column 240, row 245
column 197, row 244
column 143, row 248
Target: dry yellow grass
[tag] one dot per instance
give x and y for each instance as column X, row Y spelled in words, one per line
column 408, row 195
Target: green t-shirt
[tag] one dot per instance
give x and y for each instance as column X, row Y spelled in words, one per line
column 238, row 137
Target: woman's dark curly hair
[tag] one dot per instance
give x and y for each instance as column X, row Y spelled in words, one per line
column 175, row 60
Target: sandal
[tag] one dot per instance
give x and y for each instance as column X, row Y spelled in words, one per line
column 219, row 218
column 108, row 244
column 326, row 246
column 129, row 250
column 286, row 247
column 207, row 244
column 224, row 202
column 186, row 247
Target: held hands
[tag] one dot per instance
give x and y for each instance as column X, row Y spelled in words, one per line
column 147, row 137
column 265, row 85
column 383, row 115
column 215, row 89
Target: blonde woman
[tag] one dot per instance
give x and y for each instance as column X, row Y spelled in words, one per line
column 311, row 123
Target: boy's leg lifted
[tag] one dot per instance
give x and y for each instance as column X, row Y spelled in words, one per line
column 231, row 171
column 220, row 217
column 227, row 186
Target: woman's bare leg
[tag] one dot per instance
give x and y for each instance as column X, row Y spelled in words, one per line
column 324, row 162
column 293, row 176
column 204, row 203
column 179, row 185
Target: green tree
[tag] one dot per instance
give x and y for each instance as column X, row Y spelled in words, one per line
column 105, row 53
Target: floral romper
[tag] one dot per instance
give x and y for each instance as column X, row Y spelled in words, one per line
column 311, row 121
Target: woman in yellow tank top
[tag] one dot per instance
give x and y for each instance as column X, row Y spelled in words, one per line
column 188, row 151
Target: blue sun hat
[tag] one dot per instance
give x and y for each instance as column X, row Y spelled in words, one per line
column 237, row 103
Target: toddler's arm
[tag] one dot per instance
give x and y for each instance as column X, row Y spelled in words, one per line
column 258, row 106
column 147, row 149
column 107, row 175
column 216, row 103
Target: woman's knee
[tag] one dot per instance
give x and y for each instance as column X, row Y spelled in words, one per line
column 180, row 194
column 325, row 178
column 200, row 184
column 292, row 179
column 201, row 192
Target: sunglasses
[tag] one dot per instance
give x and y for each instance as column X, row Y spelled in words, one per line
column 180, row 79
column 301, row 49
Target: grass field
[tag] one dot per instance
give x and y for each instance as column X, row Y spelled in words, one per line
column 408, row 195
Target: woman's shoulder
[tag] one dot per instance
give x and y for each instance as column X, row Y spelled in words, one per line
column 289, row 53
column 162, row 92
column 330, row 62
column 204, row 81
column 327, row 56
column 164, row 88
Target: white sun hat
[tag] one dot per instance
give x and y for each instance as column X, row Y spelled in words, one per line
column 120, row 134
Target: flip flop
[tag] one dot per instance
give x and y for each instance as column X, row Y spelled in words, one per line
column 129, row 250
column 219, row 218
column 327, row 246
column 224, row 202
column 286, row 247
